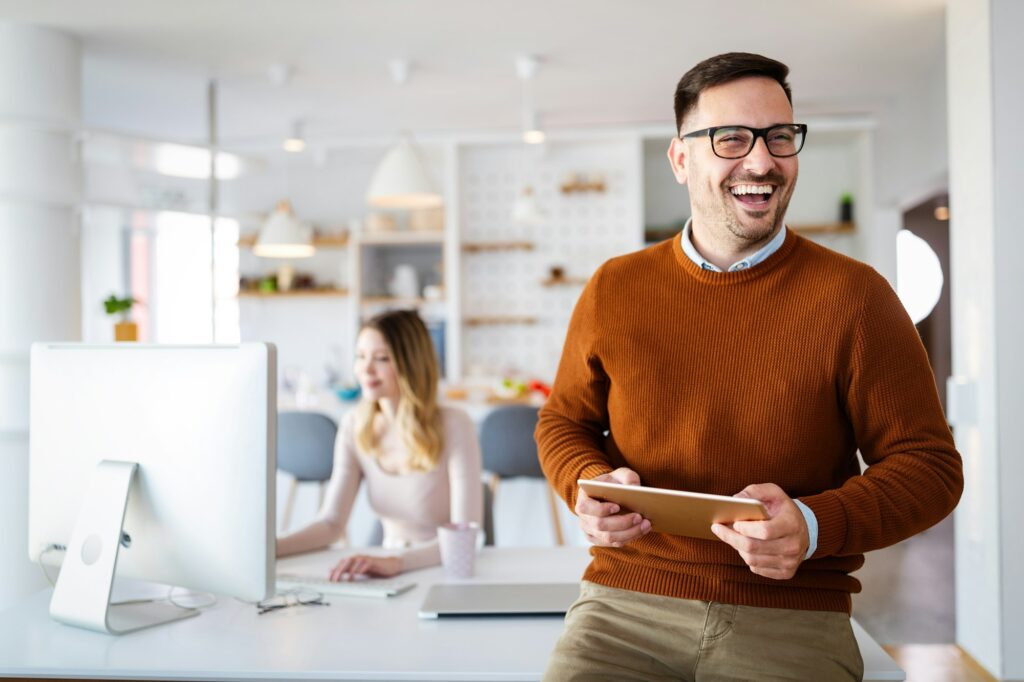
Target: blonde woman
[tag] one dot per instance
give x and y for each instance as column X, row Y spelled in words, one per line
column 419, row 461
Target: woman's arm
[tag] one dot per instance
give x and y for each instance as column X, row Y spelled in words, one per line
column 341, row 495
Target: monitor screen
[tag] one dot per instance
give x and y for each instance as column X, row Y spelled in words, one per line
column 200, row 422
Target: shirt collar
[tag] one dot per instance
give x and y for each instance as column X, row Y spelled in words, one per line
column 750, row 261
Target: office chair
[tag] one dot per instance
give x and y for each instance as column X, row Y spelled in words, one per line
column 305, row 449
column 509, row 451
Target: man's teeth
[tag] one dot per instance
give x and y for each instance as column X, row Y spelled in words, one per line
column 751, row 189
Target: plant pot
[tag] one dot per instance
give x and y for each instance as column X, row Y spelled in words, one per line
column 126, row 331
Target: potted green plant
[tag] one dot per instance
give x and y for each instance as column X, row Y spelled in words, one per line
column 124, row 329
column 846, row 208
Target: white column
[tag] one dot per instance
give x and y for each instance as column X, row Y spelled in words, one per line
column 40, row 184
column 986, row 96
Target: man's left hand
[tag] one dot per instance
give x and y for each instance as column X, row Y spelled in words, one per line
column 772, row 548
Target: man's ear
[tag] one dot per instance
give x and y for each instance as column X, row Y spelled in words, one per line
column 678, row 159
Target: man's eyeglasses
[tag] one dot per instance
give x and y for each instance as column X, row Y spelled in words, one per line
column 735, row 142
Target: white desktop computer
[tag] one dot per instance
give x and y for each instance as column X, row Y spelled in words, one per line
column 156, row 461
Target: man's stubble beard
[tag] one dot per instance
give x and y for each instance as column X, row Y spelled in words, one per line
column 728, row 215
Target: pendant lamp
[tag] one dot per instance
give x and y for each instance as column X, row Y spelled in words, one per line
column 401, row 180
column 283, row 236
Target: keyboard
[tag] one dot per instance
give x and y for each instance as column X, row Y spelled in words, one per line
column 363, row 587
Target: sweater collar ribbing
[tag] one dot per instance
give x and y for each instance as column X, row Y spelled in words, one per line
column 738, row 276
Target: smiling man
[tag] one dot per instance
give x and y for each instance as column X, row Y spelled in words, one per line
column 739, row 359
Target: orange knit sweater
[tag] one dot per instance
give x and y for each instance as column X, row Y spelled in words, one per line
column 709, row 381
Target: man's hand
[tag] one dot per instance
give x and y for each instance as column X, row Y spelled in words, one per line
column 601, row 521
column 772, row 548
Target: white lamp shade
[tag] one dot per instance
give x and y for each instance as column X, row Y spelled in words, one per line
column 525, row 210
column 401, row 181
column 282, row 236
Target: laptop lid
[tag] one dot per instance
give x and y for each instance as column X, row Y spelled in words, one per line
column 499, row 599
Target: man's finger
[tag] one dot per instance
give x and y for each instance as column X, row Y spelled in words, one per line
column 773, row 529
column 586, row 505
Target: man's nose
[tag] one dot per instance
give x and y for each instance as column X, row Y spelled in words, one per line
column 759, row 161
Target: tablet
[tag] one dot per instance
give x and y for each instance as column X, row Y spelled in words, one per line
column 675, row 511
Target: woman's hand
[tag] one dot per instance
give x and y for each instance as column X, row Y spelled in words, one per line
column 350, row 568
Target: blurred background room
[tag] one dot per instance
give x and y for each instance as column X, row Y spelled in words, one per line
column 216, row 171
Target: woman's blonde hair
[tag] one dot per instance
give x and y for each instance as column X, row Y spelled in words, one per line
column 418, row 417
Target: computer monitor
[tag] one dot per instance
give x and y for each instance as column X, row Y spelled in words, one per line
column 159, row 461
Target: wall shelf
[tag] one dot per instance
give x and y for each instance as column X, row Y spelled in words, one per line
column 394, row 301
column 477, row 247
column 294, row 293
column 564, row 282
column 327, row 241
column 498, row 319
column 825, row 228
column 402, row 237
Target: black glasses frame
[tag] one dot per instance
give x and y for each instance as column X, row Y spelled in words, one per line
column 757, row 132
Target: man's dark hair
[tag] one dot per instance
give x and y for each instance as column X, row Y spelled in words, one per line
column 721, row 69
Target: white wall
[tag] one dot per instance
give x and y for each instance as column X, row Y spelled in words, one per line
column 985, row 100
column 39, row 253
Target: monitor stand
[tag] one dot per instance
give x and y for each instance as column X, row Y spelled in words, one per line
column 81, row 596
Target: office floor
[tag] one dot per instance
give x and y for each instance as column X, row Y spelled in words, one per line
column 907, row 605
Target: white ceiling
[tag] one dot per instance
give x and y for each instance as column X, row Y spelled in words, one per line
column 604, row 62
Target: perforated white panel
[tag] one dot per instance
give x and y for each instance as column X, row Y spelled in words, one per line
column 581, row 231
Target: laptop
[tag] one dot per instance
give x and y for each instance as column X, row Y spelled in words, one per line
column 499, row 599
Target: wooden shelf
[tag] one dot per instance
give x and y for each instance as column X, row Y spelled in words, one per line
column 294, row 293
column 401, row 237
column 477, row 247
column 395, row 301
column 498, row 319
column 564, row 282
column 327, row 241
column 825, row 228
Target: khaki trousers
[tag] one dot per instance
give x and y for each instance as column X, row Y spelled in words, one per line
column 621, row 635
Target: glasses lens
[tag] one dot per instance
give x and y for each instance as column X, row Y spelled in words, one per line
column 732, row 143
column 785, row 140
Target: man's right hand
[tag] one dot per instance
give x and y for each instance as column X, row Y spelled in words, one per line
column 602, row 522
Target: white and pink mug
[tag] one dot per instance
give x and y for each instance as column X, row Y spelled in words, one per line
column 459, row 543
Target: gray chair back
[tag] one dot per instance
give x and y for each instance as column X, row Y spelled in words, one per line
column 506, row 442
column 305, row 445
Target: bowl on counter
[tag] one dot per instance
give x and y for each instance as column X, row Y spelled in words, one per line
column 347, row 393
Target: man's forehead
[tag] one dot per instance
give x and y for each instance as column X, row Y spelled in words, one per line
column 755, row 101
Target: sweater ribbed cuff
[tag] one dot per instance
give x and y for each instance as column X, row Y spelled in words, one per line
column 831, row 516
column 588, row 472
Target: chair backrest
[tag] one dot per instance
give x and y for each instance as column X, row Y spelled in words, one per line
column 305, row 445
column 506, row 442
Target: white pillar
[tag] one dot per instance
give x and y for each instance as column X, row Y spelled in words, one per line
column 40, row 184
column 986, row 95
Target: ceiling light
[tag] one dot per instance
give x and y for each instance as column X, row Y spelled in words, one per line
column 942, row 212
column 532, row 133
column 525, row 210
column 283, row 236
column 526, row 69
column 401, row 179
column 295, row 142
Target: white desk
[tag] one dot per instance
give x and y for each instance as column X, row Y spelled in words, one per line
column 353, row 639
